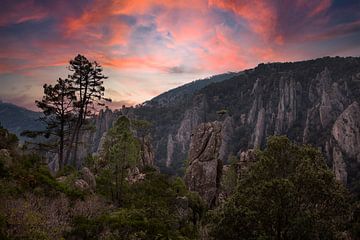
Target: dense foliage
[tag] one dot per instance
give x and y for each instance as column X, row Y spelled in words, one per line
column 288, row 194
column 39, row 205
column 157, row 208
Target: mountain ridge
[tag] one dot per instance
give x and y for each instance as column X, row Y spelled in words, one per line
column 18, row 119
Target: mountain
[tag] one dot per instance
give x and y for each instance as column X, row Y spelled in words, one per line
column 17, row 119
column 314, row 102
column 176, row 95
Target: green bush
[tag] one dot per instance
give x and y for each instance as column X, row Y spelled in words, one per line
column 288, row 194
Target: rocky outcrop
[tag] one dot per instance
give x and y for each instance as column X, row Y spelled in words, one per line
column 88, row 177
column 339, row 166
column 5, row 158
column 227, row 131
column 170, row 150
column 103, row 123
column 346, row 144
column 81, row 185
column 179, row 142
column 85, row 182
column 91, row 140
column 286, row 108
column 204, row 171
column 246, row 160
column 346, row 131
column 134, row 175
column 147, row 155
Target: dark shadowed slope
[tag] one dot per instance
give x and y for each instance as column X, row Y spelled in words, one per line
column 17, row 119
column 176, row 95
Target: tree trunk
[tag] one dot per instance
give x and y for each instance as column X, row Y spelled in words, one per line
column 61, row 147
column 70, row 148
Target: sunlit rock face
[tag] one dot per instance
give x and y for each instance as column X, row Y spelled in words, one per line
column 204, row 171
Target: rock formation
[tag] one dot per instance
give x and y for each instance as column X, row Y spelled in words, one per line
column 5, row 158
column 84, row 182
column 204, row 171
column 88, row 177
column 134, row 175
column 246, row 160
column 302, row 100
column 147, row 156
column 346, row 132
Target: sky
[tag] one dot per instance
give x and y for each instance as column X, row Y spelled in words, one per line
column 147, row 47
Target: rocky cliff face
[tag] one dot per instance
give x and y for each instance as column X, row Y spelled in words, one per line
column 147, row 157
column 204, row 171
column 91, row 141
column 346, row 132
column 311, row 102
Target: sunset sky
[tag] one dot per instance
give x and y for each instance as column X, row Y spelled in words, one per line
column 149, row 46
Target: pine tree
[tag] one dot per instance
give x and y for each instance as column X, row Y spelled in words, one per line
column 87, row 81
column 122, row 151
column 57, row 107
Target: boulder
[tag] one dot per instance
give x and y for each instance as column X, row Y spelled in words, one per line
column 81, row 185
column 88, row 177
column 134, row 175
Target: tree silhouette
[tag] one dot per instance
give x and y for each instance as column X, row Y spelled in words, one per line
column 57, row 107
column 87, row 83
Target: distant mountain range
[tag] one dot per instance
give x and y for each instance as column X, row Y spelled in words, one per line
column 17, row 119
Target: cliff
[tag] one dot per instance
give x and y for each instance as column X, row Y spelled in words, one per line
column 311, row 102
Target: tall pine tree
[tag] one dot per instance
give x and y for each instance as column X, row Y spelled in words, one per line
column 87, row 82
column 57, row 106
